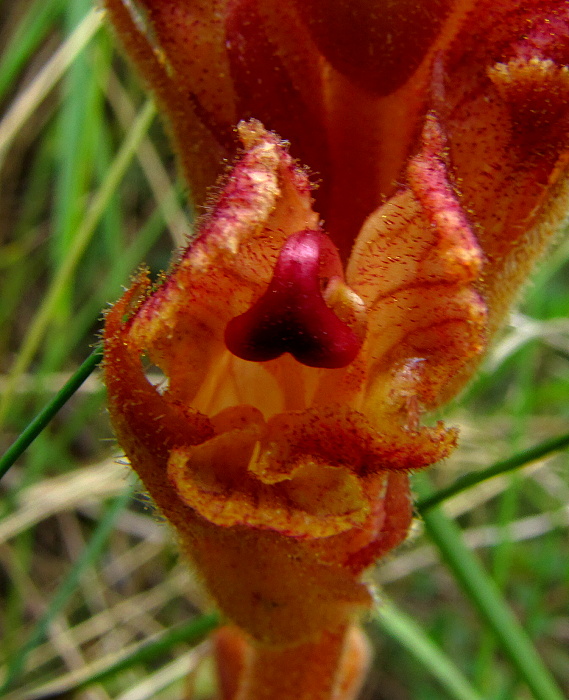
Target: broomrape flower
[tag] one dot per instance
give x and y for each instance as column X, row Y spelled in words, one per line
column 306, row 330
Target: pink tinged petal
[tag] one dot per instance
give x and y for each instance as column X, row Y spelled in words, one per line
column 507, row 116
column 222, row 273
column 415, row 265
column 292, row 315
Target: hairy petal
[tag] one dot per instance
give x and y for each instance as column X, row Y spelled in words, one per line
column 225, row 270
column 505, row 111
column 415, row 264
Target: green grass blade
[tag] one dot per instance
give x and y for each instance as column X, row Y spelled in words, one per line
column 192, row 633
column 29, row 34
column 80, row 242
column 402, row 627
column 486, row 598
column 26, row 438
column 28, row 101
column 74, row 173
column 516, row 461
column 90, row 554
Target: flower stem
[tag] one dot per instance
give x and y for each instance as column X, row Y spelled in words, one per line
column 332, row 667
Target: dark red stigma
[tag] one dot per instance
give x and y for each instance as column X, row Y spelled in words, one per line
column 292, row 315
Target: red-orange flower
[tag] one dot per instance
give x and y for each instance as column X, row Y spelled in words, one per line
column 305, row 331
column 301, row 454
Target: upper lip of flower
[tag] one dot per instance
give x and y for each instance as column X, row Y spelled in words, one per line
column 292, row 315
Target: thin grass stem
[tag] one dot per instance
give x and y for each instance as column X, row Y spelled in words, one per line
column 31, row 432
column 487, row 599
column 503, row 466
column 405, row 629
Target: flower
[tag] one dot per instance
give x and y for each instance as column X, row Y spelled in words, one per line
column 305, row 331
column 276, row 435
